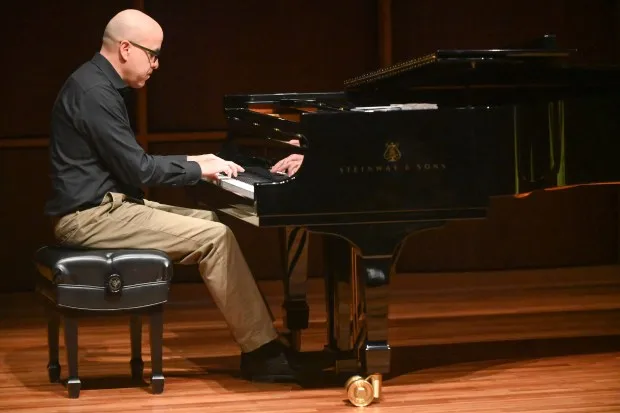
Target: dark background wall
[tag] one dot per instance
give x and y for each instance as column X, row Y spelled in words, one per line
column 237, row 46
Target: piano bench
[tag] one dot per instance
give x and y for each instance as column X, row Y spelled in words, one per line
column 76, row 282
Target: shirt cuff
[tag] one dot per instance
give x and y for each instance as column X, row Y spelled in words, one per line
column 178, row 158
column 194, row 173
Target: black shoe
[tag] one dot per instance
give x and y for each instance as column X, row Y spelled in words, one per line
column 267, row 364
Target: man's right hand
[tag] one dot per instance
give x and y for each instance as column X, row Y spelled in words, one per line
column 211, row 167
column 204, row 157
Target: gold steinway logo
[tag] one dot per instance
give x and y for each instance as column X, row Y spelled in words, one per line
column 393, row 155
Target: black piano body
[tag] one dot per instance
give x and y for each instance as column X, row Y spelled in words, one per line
column 403, row 149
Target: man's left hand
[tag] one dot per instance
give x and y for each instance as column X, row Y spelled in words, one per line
column 290, row 164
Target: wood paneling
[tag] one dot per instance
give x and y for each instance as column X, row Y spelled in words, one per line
column 239, row 46
column 385, row 32
column 556, row 228
column 45, row 42
column 421, row 27
column 24, row 187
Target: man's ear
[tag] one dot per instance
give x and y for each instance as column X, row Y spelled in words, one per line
column 124, row 50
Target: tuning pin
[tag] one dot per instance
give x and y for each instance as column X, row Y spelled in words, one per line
column 362, row 392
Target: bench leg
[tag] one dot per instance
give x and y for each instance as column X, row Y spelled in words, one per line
column 156, row 340
column 53, row 332
column 135, row 330
column 71, row 343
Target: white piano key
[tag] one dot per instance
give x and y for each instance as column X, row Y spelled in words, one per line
column 235, row 186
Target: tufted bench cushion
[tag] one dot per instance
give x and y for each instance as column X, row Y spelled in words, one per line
column 105, row 279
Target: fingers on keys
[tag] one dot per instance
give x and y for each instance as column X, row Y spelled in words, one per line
column 278, row 166
column 294, row 168
column 231, row 169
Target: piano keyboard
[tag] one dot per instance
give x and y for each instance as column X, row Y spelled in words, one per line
column 243, row 183
column 237, row 186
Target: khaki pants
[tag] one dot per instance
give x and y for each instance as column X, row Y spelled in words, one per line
column 188, row 236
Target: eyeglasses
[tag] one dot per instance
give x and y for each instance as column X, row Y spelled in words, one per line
column 153, row 54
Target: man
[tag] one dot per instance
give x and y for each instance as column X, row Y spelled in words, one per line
column 98, row 169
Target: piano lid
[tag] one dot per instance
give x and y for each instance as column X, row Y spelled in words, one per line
column 460, row 60
column 486, row 75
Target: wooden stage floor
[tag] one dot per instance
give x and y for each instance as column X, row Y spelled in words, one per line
column 536, row 341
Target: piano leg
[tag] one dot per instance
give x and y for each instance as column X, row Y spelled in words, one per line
column 342, row 304
column 374, row 350
column 359, row 263
column 356, row 290
column 295, row 307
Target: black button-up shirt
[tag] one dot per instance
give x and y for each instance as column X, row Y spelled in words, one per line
column 93, row 149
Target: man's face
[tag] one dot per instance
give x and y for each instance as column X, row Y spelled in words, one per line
column 141, row 59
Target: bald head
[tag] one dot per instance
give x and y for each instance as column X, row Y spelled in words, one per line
column 131, row 25
column 131, row 43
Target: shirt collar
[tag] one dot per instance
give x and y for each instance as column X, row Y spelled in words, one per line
column 109, row 71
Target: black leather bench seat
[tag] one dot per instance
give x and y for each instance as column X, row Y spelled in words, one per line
column 77, row 282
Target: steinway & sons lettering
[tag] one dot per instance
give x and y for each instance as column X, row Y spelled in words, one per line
column 418, row 167
column 392, row 154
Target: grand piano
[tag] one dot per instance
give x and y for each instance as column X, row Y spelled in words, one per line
column 402, row 149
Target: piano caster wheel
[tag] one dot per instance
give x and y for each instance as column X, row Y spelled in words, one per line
column 157, row 384
column 53, row 372
column 362, row 392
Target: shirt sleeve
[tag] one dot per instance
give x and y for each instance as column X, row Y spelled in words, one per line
column 104, row 119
